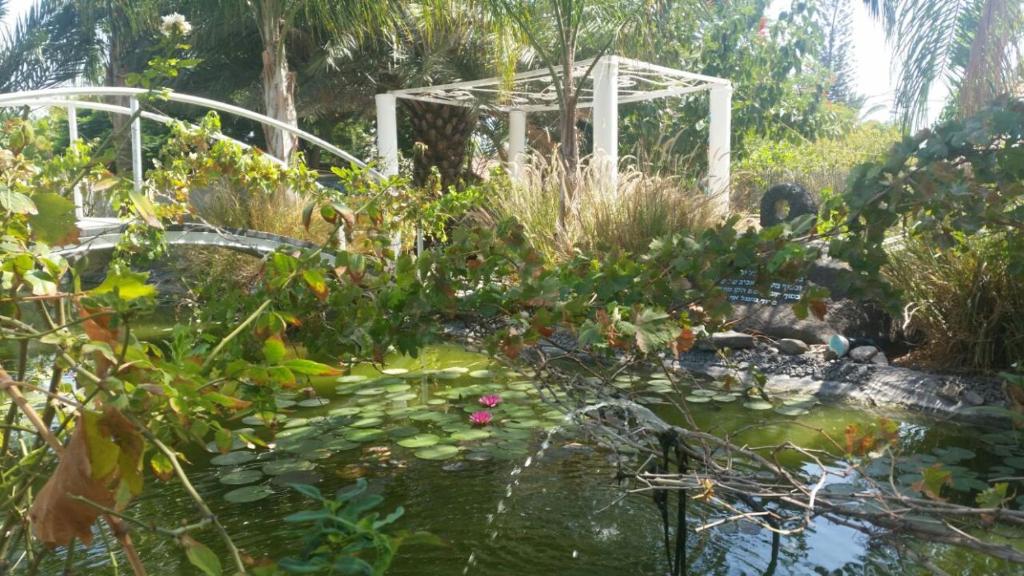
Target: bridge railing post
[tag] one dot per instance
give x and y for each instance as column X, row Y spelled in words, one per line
column 76, row 193
column 136, row 131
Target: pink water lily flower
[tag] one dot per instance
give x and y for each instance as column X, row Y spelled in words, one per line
column 481, row 418
column 490, row 400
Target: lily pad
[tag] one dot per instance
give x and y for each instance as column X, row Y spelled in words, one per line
column 953, row 454
column 369, row 422
column 236, row 444
column 403, row 432
column 233, row 458
column 758, row 405
column 792, row 410
column 481, row 374
column 281, row 466
column 284, row 402
column 363, row 434
column 438, row 452
column 403, row 397
column 426, row 416
column 693, row 399
column 702, row 392
column 419, row 441
column 313, row 402
column 373, row 391
column 241, row 477
column 470, row 435
column 1015, row 461
column 394, row 371
column 724, row 398
column 841, row 489
column 248, row 494
column 351, row 378
column 346, row 411
column 437, row 401
column 481, row 456
column 397, row 387
column 337, row 444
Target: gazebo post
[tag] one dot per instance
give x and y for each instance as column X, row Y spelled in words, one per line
column 387, row 147
column 719, row 146
column 516, row 143
column 606, row 118
column 387, row 133
column 76, row 192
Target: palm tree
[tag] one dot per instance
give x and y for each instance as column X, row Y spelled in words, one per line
column 557, row 31
column 278, row 23
column 441, row 41
column 973, row 45
column 46, row 47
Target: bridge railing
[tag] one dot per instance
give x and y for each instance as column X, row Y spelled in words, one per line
column 73, row 98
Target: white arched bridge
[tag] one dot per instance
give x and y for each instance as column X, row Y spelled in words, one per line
column 103, row 233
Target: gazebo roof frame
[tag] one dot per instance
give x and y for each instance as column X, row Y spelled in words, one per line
column 533, row 91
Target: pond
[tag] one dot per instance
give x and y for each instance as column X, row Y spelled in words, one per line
column 487, row 495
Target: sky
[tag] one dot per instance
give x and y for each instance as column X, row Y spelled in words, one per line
column 874, row 75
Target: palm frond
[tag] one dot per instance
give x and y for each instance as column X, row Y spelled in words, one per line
column 971, row 45
column 46, row 47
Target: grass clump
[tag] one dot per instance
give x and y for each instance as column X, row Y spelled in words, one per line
column 641, row 208
column 963, row 301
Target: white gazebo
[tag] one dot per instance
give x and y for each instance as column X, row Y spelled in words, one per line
column 614, row 80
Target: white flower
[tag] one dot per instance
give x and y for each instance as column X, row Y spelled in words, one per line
column 175, row 24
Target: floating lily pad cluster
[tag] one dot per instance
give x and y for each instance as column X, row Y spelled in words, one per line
column 713, row 393
column 422, row 414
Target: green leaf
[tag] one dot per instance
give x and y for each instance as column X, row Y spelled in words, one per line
column 932, row 480
column 145, row 209
column 314, row 278
column 309, row 516
column 308, row 491
column 202, row 557
column 103, row 453
column 310, row 368
column 222, row 437
column 994, row 496
column 273, row 350
column 16, row 202
column 127, row 286
column 55, row 222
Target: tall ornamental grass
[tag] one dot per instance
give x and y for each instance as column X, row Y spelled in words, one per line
column 964, row 301
column 641, row 208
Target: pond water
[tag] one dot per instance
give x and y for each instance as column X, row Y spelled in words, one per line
column 408, row 433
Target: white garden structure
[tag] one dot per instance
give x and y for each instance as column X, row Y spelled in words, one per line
column 614, row 80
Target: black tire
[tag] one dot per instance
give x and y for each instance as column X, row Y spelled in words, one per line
column 782, row 196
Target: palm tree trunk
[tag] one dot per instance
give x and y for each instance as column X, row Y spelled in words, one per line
column 445, row 132
column 278, row 80
column 569, row 147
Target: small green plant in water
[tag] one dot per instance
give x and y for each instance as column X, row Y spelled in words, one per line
column 345, row 536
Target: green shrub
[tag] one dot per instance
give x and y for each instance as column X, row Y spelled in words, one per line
column 823, row 164
column 955, row 195
column 963, row 300
column 641, row 209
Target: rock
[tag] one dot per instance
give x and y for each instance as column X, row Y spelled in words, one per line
column 949, row 390
column 732, row 339
column 855, row 319
column 863, row 353
column 973, row 398
column 792, row 346
column 880, row 359
column 839, row 345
